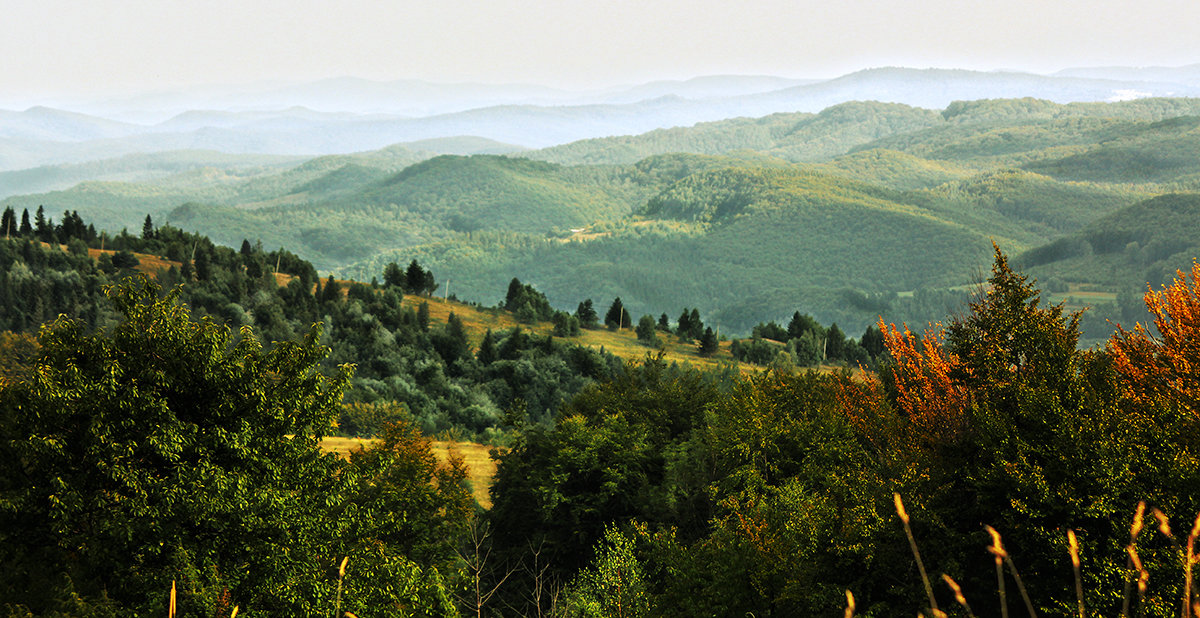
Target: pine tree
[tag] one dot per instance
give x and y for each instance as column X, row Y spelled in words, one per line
column 148, row 230
column 683, row 327
column 708, row 343
column 414, row 278
column 332, row 291
column 393, row 275
column 423, row 315
column 512, row 300
column 8, row 224
column 872, row 341
column 26, row 229
column 586, row 313
column 487, row 353
column 617, row 317
column 40, row 226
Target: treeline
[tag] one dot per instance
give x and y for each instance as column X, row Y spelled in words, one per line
column 401, row 357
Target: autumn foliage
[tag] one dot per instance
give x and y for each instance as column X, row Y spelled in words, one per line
column 923, row 375
column 1164, row 367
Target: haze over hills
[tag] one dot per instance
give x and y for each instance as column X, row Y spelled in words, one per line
column 349, row 115
column 850, row 211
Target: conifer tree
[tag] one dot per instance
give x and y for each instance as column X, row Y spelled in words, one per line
column 586, row 312
column 423, row 315
column 512, row 300
column 708, row 343
column 26, row 229
column 393, row 275
column 8, row 223
column 487, row 353
column 617, row 317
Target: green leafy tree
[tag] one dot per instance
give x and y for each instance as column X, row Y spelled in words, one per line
column 163, row 450
column 647, row 331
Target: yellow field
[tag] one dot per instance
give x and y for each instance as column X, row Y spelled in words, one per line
column 481, row 468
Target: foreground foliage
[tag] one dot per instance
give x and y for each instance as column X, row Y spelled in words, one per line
column 169, row 450
column 775, row 496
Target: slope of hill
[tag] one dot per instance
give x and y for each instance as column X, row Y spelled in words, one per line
column 1145, row 242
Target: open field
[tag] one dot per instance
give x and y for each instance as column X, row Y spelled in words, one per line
column 481, row 468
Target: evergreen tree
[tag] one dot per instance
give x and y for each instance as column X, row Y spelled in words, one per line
column 487, row 353
column 514, row 296
column 26, row 229
column 332, row 292
column 683, row 327
column 393, row 275
column 801, row 324
column 148, row 231
column 423, row 315
column 872, row 341
column 617, row 317
column 835, row 343
column 203, row 265
column 40, row 226
column 586, row 313
column 414, row 279
column 664, row 323
column 708, row 343
column 8, row 223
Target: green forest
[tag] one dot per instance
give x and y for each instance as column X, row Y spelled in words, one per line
column 872, row 361
column 161, row 449
column 773, row 210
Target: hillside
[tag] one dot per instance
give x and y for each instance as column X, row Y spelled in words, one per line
column 868, row 201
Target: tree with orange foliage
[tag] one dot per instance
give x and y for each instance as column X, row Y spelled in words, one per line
column 923, row 376
column 1165, row 368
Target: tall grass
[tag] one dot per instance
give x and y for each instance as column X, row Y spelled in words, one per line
column 1135, row 569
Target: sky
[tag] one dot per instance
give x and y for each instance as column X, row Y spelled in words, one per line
column 55, row 48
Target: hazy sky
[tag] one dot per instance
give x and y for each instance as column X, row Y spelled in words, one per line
column 95, row 47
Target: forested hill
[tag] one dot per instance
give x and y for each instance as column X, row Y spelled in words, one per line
column 456, row 368
column 849, row 213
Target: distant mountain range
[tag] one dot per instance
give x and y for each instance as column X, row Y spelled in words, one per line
column 353, row 115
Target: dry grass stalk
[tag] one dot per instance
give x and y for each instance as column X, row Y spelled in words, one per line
column 849, row 605
column 235, row 611
column 1134, row 530
column 997, row 549
column 1163, row 525
column 1073, row 545
column 958, row 594
column 1191, row 559
column 171, row 603
column 912, row 542
column 337, row 605
column 1143, row 576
